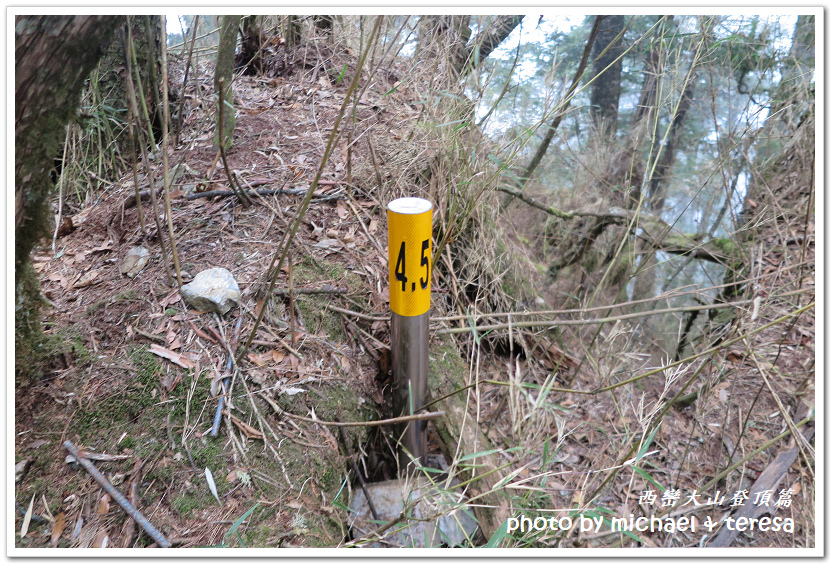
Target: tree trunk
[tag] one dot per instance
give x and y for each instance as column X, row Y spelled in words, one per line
column 249, row 57
column 53, row 57
column 796, row 73
column 293, row 32
column 448, row 37
column 645, row 107
column 490, row 38
column 605, row 92
column 224, row 76
column 551, row 130
column 646, row 279
column 443, row 40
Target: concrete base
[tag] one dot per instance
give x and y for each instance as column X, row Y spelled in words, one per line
column 424, row 500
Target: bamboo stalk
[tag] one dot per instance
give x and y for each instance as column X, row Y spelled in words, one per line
column 129, row 54
column 60, row 191
column 134, row 166
column 184, row 82
column 165, row 139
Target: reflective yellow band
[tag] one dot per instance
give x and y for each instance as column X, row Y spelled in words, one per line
column 410, row 255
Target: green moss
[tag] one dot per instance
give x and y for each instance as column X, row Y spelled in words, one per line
column 145, row 362
column 186, row 503
column 313, row 307
column 725, row 245
column 207, row 453
column 444, row 360
column 127, row 443
column 28, row 334
column 64, row 341
column 132, row 405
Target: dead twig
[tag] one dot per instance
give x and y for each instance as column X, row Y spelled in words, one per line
column 358, row 315
column 361, row 424
column 165, row 139
column 131, row 510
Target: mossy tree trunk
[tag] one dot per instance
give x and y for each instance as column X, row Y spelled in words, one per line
column 224, row 76
column 460, row 433
column 53, row 57
column 110, row 86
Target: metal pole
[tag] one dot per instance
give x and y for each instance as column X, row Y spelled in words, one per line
column 410, row 354
column 410, row 269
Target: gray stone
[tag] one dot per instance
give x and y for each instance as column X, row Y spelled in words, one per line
column 439, row 516
column 214, row 290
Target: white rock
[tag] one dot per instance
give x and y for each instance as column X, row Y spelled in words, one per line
column 135, row 260
column 213, row 290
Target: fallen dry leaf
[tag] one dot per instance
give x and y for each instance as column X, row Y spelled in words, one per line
column 104, row 505
column 36, row 444
column 27, row 518
column 174, row 357
column 102, row 539
column 259, row 359
column 277, row 355
column 170, row 381
column 170, row 298
column 329, row 244
column 342, row 212
column 58, row 526
column 86, row 280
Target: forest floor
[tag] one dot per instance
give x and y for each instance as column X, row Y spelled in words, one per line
column 287, row 481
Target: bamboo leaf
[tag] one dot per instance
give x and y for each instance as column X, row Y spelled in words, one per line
column 212, row 485
column 241, row 519
column 497, row 536
column 24, row 528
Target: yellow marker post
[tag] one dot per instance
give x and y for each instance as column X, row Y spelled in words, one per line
column 410, row 272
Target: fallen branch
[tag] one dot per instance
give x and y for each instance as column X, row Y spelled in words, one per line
column 280, row 191
column 144, row 195
column 311, row 290
column 131, row 510
column 598, row 320
column 716, row 250
column 383, row 422
column 358, row 315
column 533, row 203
